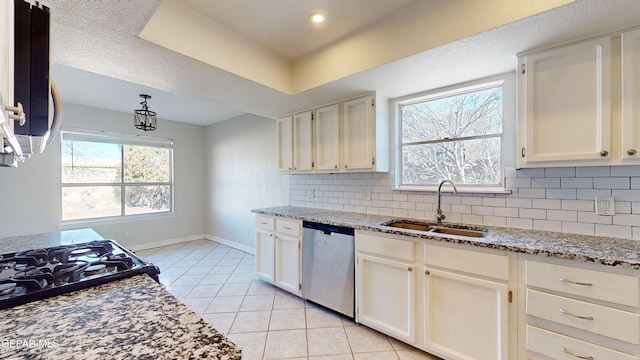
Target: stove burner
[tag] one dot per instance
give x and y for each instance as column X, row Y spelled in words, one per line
column 8, row 288
column 95, row 269
column 37, row 274
column 69, row 272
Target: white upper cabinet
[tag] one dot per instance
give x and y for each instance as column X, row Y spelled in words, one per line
column 295, row 142
column 6, row 52
column 284, row 128
column 303, row 142
column 352, row 136
column 564, row 105
column 327, row 138
column 631, row 95
column 358, row 136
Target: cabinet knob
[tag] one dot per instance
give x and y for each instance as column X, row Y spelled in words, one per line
column 427, row 272
column 345, row 166
column 410, row 268
column 604, row 153
column 335, row 166
column 631, row 152
column 523, row 152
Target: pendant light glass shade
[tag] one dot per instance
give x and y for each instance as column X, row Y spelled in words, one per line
column 145, row 119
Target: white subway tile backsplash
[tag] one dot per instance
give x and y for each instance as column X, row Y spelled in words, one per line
column 626, row 195
column 531, row 193
column 626, row 219
column 613, row 231
column 590, row 194
column 562, row 215
column 593, row 171
column 560, row 172
column 611, row 183
column 547, row 225
column 568, row 194
column 576, row 183
column 546, row 204
column 553, row 199
column 494, row 221
column 578, row 228
column 533, row 213
column 625, row 171
column 591, row 217
column 547, row 183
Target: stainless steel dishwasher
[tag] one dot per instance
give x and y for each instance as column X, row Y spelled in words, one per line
column 328, row 266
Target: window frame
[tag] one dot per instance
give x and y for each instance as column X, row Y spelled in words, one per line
column 506, row 81
column 122, row 140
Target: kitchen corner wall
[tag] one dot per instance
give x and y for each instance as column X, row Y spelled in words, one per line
column 241, row 175
column 554, row 199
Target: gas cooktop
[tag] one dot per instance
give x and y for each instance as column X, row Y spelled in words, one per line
column 41, row 273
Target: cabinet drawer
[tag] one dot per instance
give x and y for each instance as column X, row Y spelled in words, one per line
column 599, row 285
column 551, row 344
column 472, row 262
column 396, row 248
column 288, row 227
column 265, row 223
column 597, row 319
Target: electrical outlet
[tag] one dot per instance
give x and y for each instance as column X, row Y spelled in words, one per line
column 365, row 195
column 127, row 232
column 312, row 193
column 605, row 205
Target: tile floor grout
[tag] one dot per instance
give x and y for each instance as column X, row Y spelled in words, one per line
column 201, row 271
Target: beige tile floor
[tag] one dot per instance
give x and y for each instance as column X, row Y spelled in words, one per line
column 219, row 283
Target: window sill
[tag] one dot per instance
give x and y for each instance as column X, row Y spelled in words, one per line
column 76, row 224
column 461, row 189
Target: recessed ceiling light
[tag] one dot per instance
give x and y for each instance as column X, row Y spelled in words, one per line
column 317, row 18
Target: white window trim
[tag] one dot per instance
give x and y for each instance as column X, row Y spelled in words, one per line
column 507, row 144
column 126, row 139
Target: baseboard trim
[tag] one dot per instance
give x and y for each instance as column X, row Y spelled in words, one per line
column 166, row 242
column 230, row 243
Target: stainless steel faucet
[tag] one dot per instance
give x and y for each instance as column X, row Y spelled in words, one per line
column 439, row 215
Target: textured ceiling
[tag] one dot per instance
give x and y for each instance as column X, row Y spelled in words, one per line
column 99, row 60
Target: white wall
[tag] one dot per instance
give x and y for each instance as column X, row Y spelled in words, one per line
column 241, row 175
column 30, row 194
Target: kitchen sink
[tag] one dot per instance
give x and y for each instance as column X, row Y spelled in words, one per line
column 459, row 230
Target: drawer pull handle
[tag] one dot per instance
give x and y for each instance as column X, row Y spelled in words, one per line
column 287, row 228
column 263, row 223
column 576, row 316
column 575, row 355
column 575, row 282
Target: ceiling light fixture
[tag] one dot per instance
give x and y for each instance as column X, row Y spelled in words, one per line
column 317, row 18
column 145, row 119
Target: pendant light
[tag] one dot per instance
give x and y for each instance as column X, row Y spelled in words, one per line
column 145, row 119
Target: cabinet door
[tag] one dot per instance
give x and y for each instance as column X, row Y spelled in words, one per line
column 564, row 105
column 6, row 55
column 327, row 138
column 264, row 255
column 466, row 317
column 287, row 264
column 631, row 94
column 303, row 142
column 358, row 134
column 386, row 296
column 284, row 139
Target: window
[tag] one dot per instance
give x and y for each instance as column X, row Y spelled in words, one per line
column 456, row 134
column 110, row 175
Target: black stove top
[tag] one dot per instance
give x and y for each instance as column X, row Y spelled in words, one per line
column 41, row 273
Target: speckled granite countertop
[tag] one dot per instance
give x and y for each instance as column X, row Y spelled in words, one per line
column 599, row 250
column 133, row 318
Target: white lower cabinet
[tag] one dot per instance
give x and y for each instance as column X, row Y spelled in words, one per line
column 386, row 285
column 278, row 243
column 466, row 317
column 578, row 312
column 452, row 302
